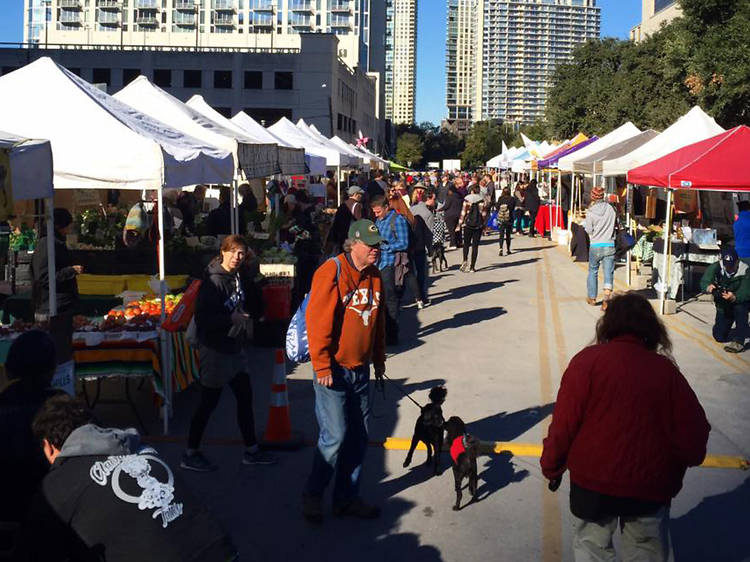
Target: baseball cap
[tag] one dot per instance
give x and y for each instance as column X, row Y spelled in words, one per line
column 353, row 190
column 729, row 258
column 365, row 231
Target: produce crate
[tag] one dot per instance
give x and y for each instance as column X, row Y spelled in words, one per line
column 101, row 284
column 141, row 282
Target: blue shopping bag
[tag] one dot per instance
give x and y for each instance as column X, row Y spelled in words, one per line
column 492, row 223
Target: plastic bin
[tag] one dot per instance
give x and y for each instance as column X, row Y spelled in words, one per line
column 101, row 284
column 278, row 299
column 141, row 282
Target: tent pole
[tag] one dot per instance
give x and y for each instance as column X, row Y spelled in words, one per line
column 52, row 273
column 629, row 274
column 166, row 370
column 559, row 193
column 338, row 186
column 667, row 239
column 236, row 205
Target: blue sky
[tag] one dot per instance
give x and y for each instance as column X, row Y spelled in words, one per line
column 618, row 16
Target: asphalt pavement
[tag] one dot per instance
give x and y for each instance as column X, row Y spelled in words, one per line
column 499, row 340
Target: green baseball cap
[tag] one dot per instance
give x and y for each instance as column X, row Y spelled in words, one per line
column 365, row 231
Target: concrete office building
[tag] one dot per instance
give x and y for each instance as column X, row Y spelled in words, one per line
column 401, row 60
column 217, row 24
column 501, row 55
column 654, row 14
column 310, row 82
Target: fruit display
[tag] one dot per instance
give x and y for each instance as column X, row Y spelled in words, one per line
column 140, row 315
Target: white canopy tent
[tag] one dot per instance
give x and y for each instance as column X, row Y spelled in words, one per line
column 692, row 127
column 99, row 142
column 372, row 155
column 346, row 160
column 291, row 160
column 285, row 129
column 316, row 164
column 255, row 159
column 343, row 145
column 623, row 132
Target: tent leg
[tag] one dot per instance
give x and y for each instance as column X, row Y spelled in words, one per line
column 49, row 211
column 629, row 273
column 338, row 186
column 166, row 367
column 667, row 238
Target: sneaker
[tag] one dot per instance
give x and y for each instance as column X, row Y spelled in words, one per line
column 357, row 508
column 500, row 253
column 472, row 270
column 426, row 302
column 464, row 267
column 420, row 305
column 312, row 508
column 258, row 457
column 197, row 462
column 734, row 347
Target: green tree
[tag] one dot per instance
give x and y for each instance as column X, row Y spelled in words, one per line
column 409, row 149
column 485, row 140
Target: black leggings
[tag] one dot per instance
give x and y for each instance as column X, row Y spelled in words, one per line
column 506, row 228
column 243, row 392
column 453, row 235
column 471, row 238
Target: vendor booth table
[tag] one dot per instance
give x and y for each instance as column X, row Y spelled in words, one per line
column 546, row 218
column 683, row 257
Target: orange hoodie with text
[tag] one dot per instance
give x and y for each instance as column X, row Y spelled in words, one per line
column 351, row 336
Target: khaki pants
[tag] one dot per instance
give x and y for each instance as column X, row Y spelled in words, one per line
column 644, row 539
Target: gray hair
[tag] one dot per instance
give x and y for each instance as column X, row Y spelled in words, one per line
column 348, row 243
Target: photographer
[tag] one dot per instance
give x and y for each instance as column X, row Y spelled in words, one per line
column 729, row 282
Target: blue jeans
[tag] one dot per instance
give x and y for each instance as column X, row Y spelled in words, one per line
column 735, row 314
column 343, row 412
column 604, row 255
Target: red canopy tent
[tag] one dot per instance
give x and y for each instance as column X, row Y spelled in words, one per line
column 720, row 163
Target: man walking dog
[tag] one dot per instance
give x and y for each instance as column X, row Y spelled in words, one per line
column 346, row 331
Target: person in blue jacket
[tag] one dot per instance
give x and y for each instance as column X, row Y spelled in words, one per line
column 742, row 231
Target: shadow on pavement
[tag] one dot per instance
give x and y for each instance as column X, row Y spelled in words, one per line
column 505, row 264
column 507, row 427
column 716, row 529
column 461, row 319
column 466, row 290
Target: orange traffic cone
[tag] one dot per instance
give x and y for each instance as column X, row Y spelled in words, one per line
column 278, row 434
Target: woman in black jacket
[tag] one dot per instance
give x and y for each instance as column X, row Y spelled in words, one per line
column 228, row 302
column 505, row 208
column 452, row 212
column 532, row 205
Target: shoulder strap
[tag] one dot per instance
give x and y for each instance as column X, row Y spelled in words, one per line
column 338, row 275
column 393, row 225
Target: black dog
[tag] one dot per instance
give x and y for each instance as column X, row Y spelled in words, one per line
column 429, row 428
column 438, row 257
column 464, row 449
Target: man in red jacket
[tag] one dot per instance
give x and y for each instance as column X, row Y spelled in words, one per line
column 627, row 426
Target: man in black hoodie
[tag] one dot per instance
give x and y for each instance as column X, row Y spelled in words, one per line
column 109, row 497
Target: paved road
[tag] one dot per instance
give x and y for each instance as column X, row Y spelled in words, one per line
column 499, row 340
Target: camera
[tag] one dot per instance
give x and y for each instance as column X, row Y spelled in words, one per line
column 717, row 293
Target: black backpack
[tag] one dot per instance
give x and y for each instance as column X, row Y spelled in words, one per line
column 474, row 216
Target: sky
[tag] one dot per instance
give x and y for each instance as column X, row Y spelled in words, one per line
column 618, row 16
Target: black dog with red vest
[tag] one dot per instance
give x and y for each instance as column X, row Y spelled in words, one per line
column 464, row 449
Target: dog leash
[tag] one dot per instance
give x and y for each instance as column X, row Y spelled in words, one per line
column 382, row 388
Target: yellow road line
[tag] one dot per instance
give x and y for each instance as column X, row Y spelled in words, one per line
column 535, row 450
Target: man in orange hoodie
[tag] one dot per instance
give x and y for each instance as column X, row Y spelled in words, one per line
column 346, row 332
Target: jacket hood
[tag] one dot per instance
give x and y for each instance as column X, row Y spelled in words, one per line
column 474, row 198
column 422, row 210
column 215, row 268
column 598, row 209
column 92, row 440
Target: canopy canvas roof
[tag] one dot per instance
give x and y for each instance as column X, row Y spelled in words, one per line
column 99, row 142
column 593, row 163
column 625, row 131
column 551, row 162
column 718, row 163
column 256, row 160
column 343, row 145
column 347, row 159
column 289, row 132
column 291, row 160
column 692, row 127
column 30, row 163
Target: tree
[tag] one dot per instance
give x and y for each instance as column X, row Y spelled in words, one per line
column 409, row 149
column 485, row 140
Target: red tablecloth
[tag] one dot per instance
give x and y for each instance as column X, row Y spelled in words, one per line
column 542, row 224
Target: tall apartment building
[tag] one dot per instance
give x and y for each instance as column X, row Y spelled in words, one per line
column 501, row 55
column 207, row 24
column 654, row 13
column 401, row 60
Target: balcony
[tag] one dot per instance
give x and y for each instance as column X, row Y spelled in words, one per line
column 75, row 4
column 224, row 21
column 108, row 18
column 146, row 20
column 264, row 7
column 147, row 4
column 109, row 4
column 340, row 7
column 341, row 23
column 305, row 21
column 302, row 6
column 183, row 19
column 70, row 17
column 224, row 5
column 185, row 5
column 262, row 20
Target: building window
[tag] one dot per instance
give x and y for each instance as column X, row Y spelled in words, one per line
column 223, row 79
column 76, row 71
column 225, row 111
column 129, row 74
column 163, row 77
column 101, row 76
column 253, row 80
column 192, row 79
column 283, row 81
